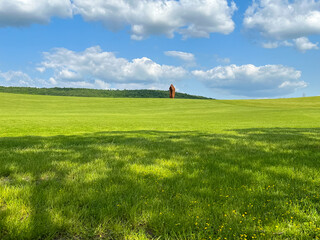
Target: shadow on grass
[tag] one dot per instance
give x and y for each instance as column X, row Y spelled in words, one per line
column 150, row 184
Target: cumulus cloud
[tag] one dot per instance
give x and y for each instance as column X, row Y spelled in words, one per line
column 21, row 79
column 26, row 12
column 191, row 18
column 98, row 68
column 270, row 45
column 303, row 44
column 188, row 57
column 249, row 80
column 281, row 20
column 16, row 78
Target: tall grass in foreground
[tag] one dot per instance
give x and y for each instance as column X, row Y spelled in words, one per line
column 229, row 182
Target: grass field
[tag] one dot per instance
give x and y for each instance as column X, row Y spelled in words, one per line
column 93, row 168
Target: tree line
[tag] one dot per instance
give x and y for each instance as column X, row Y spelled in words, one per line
column 84, row 92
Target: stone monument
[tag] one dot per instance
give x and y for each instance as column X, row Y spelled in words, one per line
column 172, row 91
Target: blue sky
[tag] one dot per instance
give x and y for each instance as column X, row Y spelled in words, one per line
column 216, row 48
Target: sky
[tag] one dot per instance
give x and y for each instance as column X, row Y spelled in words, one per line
column 222, row 49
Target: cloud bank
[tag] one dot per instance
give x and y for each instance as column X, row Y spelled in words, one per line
column 93, row 66
column 16, row 78
column 281, row 20
column 252, row 81
column 190, row 18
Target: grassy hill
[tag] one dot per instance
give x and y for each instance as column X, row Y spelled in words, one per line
column 83, row 92
column 115, row 168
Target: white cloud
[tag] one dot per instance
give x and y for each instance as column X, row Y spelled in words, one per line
column 52, row 81
column 150, row 86
column 100, row 69
column 276, row 44
column 16, row 78
column 188, row 57
column 270, row 45
column 280, row 20
column 40, row 69
column 222, row 60
column 21, row 79
column 249, row 80
column 26, row 12
column 303, row 44
column 191, row 18
column 101, row 84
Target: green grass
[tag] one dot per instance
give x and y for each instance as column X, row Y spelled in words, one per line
column 94, row 168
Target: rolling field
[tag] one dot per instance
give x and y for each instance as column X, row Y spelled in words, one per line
column 94, row 168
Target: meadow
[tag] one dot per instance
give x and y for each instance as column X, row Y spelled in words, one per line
column 104, row 168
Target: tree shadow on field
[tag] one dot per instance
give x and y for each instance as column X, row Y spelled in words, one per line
column 177, row 185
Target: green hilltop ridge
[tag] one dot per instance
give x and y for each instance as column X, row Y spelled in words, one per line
column 84, row 92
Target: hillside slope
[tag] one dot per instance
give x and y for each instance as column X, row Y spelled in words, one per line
column 125, row 168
